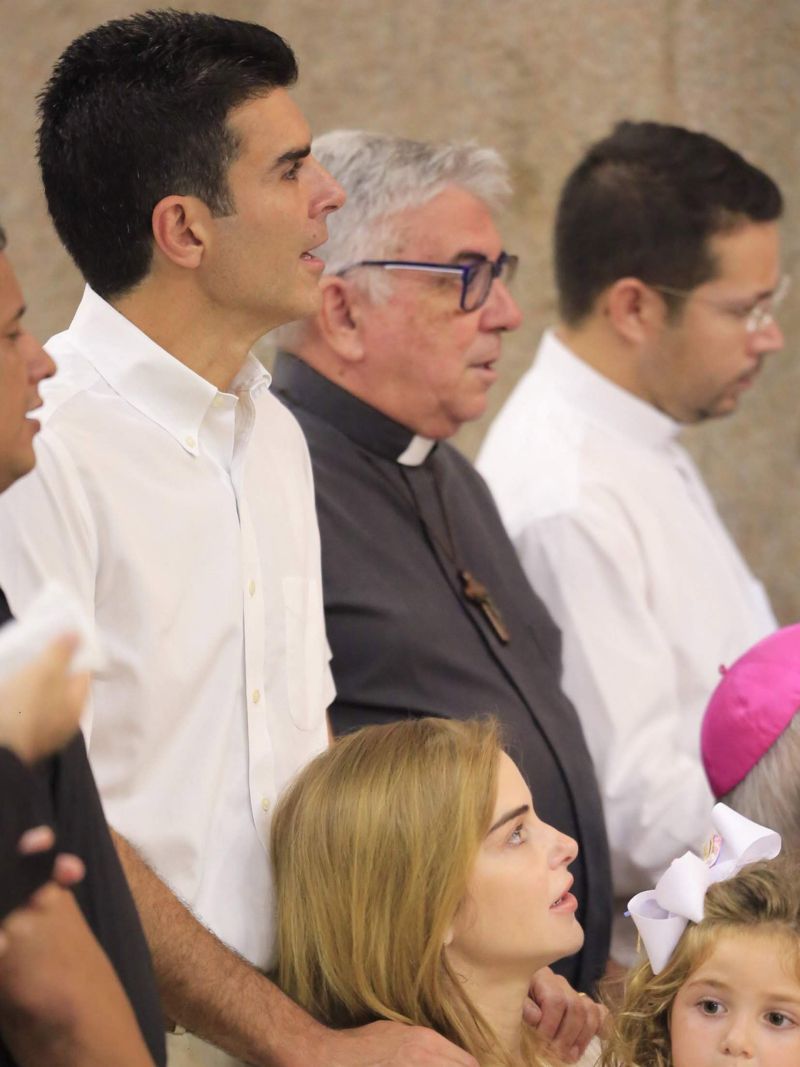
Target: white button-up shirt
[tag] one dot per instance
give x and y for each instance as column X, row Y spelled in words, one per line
column 619, row 536
column 184, row 519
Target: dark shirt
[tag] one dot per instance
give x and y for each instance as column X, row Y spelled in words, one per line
column 61, row 792
column 405, row 641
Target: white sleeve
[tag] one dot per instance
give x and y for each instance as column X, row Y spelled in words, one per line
column 47, row 532
column 620, row 673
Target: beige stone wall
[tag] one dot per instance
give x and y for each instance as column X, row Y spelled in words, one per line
column 538, row 79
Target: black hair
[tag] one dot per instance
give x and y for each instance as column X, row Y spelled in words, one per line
column 643, row 202
column 135, row 110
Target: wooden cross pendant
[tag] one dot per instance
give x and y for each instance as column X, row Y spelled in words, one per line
column 477, row 593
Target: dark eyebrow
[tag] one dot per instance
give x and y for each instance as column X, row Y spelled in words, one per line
column 509, row 815
column 293, row 155
column 469, row 256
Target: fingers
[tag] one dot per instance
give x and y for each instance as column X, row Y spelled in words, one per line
column 531, row 1013
column 78, row 690
column 595, row 1017
column 390, row 1044
column 41, row 703
column 568, row 1020
column 46, row 896
column 58, row 654
column 581, row 1023
column 553, row 994
column 37, row 839
column 68, row 870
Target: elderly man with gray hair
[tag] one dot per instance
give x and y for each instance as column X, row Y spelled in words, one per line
column 427, row 609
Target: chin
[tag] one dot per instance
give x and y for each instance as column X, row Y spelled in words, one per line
column 302, row 305
column 572, row 942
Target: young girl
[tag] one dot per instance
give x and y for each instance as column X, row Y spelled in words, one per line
column 416, row 883
column 730, row 992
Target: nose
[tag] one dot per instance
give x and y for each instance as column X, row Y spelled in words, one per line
column 737, row 1039
column 563, row 850
column 501, row 311
column 328, row 194
column 768, row 339
column 40, row 365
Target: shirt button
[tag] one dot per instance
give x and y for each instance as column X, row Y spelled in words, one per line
column 256, row 696
column 190, row 441
column 251, row 589
column 265, row 804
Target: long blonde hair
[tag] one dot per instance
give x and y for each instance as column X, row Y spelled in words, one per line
column 372, row 847
column 762, row 896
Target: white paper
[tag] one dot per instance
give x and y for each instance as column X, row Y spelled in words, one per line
column 54, row 612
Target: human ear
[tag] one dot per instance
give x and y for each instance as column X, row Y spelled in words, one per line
column 449, row 934
column 179, row 229
column 340, row 317
column 633, row 309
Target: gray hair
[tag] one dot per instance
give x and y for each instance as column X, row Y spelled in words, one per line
column 382, row 176
column 770, row 792
column 385, row 175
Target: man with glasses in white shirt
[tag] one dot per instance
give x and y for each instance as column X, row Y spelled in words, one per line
column 668, row 271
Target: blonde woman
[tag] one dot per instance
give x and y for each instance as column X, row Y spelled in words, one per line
column 416, row 883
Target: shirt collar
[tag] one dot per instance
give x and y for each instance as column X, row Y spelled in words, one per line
column 601, row 400
column 365, row 425
column 147, row 376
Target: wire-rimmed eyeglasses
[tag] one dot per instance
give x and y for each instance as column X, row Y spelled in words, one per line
column 756, row 316
column 476, row 276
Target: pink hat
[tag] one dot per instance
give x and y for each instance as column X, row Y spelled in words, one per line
column 750, row 708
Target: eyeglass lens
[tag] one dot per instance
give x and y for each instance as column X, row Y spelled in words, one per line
column 763, row 314
column 481, row 276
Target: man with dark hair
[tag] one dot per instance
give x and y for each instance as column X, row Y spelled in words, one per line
column 427, row 609
column 667, row 260
column 173, row 495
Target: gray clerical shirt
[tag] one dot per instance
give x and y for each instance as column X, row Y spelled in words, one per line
column 406, row 641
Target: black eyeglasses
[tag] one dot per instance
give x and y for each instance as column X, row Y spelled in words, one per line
column 476, row 277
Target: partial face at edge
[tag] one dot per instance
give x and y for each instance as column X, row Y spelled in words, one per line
column 518, row 913
column 23, row 364
column 741, row 1005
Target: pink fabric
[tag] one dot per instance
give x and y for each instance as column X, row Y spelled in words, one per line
column 753, row 704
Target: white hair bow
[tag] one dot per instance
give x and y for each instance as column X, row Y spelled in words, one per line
column 661, row 914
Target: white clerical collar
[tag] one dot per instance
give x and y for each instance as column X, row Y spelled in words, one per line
column 416, row 452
